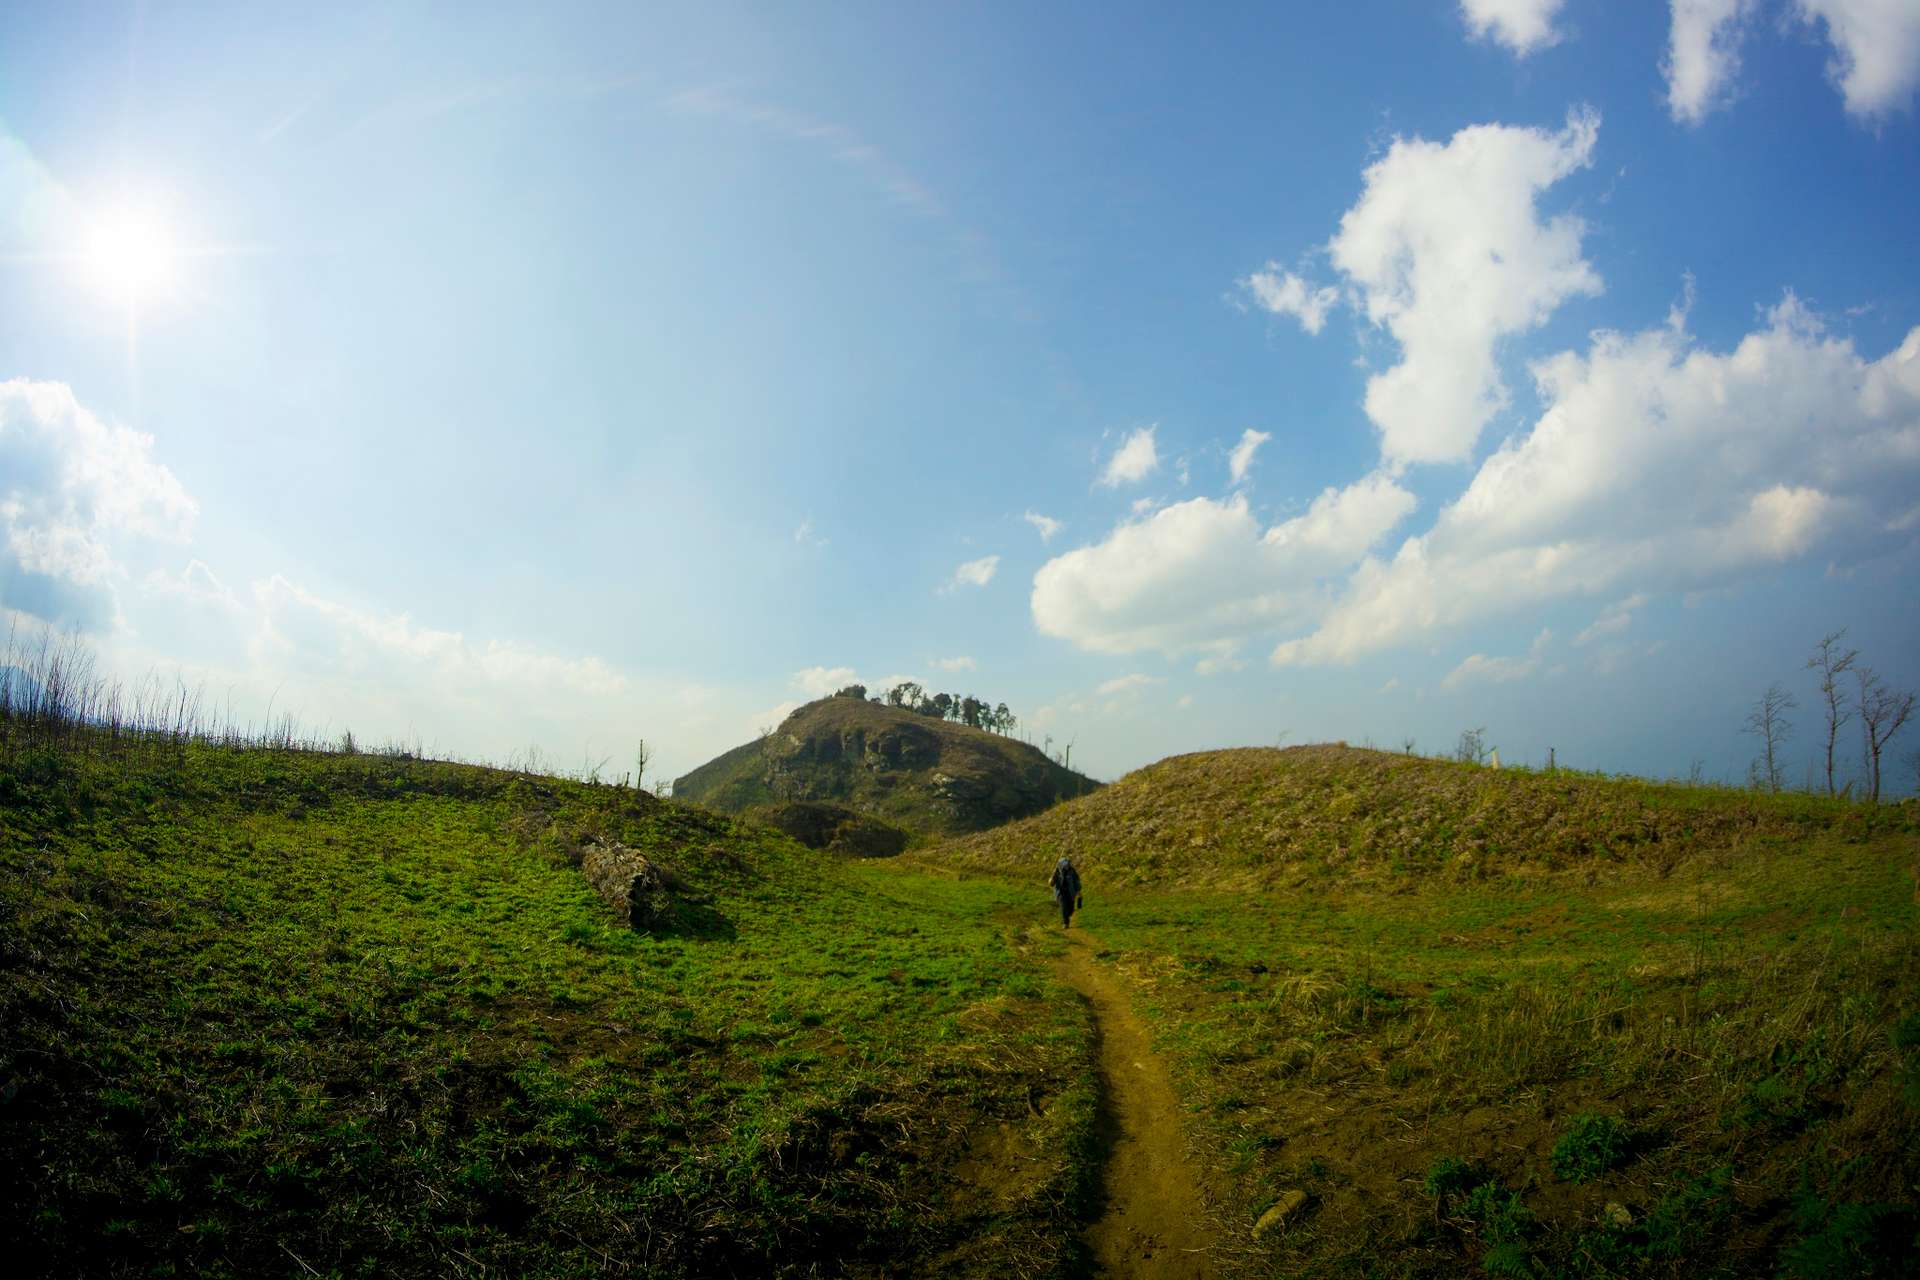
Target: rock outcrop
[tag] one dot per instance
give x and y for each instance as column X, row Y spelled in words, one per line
column 925, row 776
column 636, row 886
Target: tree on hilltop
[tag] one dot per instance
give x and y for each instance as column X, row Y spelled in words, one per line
column 1883, row 712
column 1831, row 661
column 1768, row 722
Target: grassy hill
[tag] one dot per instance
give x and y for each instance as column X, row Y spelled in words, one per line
column 930, row 777
column 272, row 1011
column 1498, row 1022
column 282, row 1013
column 1266, row 816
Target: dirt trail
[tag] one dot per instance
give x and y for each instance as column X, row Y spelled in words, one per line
column 1154, row 1224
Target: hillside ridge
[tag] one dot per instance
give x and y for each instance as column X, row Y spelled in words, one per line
column 1263, row 815
column 927, row 776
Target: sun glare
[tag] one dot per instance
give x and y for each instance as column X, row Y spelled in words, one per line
column 132, row 255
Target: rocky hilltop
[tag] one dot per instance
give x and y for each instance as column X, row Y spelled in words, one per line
column 927, row 776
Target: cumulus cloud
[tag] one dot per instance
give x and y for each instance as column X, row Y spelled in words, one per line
column 973, row 573
column 73, row 489
column 1448, row 252
column 1242, row 456
column 1131, row 683
column 1198, row 575
column 962, row 663
column 1614, row 619
column 1046, row 525
column 1876, row 48
column 1656, row 467
column 820, row 682
column 315, row 632
column 1479, row 668
column 1702, row 55
column 1524, row 26
column 1133, row 461
column 1286, row 294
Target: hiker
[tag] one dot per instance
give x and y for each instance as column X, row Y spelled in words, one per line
column 1066, row 890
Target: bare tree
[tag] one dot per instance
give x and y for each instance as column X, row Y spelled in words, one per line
column 642, row 757
column 1883, row 712
column 1831, row 661
column 1768, row 722
column 1472, row 747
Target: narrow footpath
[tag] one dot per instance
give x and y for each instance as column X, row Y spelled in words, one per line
column 1154, row 1225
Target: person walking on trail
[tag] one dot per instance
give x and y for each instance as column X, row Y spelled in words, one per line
column 1066, row 890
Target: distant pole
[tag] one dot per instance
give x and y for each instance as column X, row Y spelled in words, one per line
column 1549, row 759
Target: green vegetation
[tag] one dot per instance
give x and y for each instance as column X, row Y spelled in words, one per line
column 273, row 1012
column 1592, row 1145
column 1521, row 1023
column 1263, row 817
column 277, row 1010
column 918, row 772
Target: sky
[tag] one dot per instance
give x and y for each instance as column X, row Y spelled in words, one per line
column 550, row 378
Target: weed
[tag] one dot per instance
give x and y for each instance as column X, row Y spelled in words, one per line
column 1592, row 1145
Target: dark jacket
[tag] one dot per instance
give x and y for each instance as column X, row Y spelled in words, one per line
column 1065, row 882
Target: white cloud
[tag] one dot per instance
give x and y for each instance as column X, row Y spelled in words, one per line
column 72, row 487
column 759, row 722
column 1133, row 461
column 1393, row 682
column 1656, row 466
column 805, row 535
column 1702, row 55
column 1286, row 294
column 1222, row 656
column 1479, row 668
column 1448, row 252
column 297, row 624
column 1202, row 573
column 952, row 664
column 1876, row 45
column 1242, row 456
column 1524, row 26
column 196, row 584
column 821, row 682
column 1046, row 525
column 1614, row 619
column 1185, row 701
column 973, row 573
column 1131, row 683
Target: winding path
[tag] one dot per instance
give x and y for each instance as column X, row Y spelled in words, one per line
column 1154, row 1224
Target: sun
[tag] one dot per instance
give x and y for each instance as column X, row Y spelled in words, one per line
column 132, row 254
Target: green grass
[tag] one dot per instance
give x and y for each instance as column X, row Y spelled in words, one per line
column 1551, row 1046
column 269, row 1012
column 1269, row 819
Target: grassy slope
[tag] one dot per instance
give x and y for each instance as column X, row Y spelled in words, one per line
column 1263, row 816
column 948, row 778
column 1366, row 966
column 272, row 1013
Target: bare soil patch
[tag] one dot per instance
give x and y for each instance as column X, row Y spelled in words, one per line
column 1154, row 1222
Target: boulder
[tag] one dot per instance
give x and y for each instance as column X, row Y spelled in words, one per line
column 637, row 887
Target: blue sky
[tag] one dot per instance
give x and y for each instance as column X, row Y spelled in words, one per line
column 557, row 379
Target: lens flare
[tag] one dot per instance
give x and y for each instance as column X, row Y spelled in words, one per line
column 132, row 255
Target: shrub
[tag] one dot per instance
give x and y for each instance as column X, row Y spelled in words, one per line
column 1591, row 1145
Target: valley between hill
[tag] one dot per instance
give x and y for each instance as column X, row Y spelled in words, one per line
column 288, row 1012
